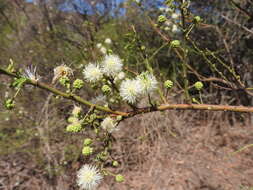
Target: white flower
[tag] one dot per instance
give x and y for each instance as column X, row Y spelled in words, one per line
column 109, row 124
column 162, row 9
column 99, row 45
column 175, row 29
column 167, row 28
column 112, row 65
column 168, row 9
column 88, row 177
column 103, row 50
column 31, row 73
column 76, row 110
column 168, row 23
column 108, row 41
column 119, row 77
column 130, row 90
column 148, row 82
column 62, row 71
column 175, row 15
column 92, row 72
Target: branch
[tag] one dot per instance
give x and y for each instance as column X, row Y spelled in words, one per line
column 63, row 94
column 138, row 110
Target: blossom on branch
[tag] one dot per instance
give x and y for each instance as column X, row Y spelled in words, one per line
column 88, row 177
column 112, row 65
column 92, row 73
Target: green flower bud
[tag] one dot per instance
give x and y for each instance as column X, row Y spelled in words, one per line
column 72, row 120
column 119, row 178
column 143, row 47
column 168, row 84
column 175, row 43
column 64, row 81
column 161, row 19
column 78, row 84
column 87, row 150
column 198, row 85
column 106, row 89
column 9, row 104
column 76, row 127
column 119, row 118
column 87, row 141
column 197, row 19
column 115, row 163
column 101, row 156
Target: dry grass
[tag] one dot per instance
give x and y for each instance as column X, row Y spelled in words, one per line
column 170, row 150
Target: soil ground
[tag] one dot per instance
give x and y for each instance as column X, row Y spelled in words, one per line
column 157, row 151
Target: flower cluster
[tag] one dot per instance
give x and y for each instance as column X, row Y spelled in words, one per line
column 170, row 19
column 111, row 66
column 92, row 73
column 133, row 89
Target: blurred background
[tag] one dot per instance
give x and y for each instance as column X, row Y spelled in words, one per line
column 173, row 150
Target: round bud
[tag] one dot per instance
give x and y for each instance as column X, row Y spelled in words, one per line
column 76, row 127
column 64, row 81
column 197, row 19
column 161, row 19
column 87, row 141
column 115, row 163
column 106, row 89
column 72, row 120
column 87, row 150
column 168, row 84
column 119, row 117
column 9, row 104
column 78, row 84
column 175, row 43
column 198, row 85
column 119, row 178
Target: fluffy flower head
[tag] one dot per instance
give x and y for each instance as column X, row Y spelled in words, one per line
column 88, row 177
column 175, row 15
column 148, row 82
column 130, row 90
column 92, row 73
column 62, row 71
column 99, row 45
column 103, row 50
column 108, row 41
column 119, row 76
column 109, row 124
column 112, row 65
column 175, row 29
column 31, row 73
